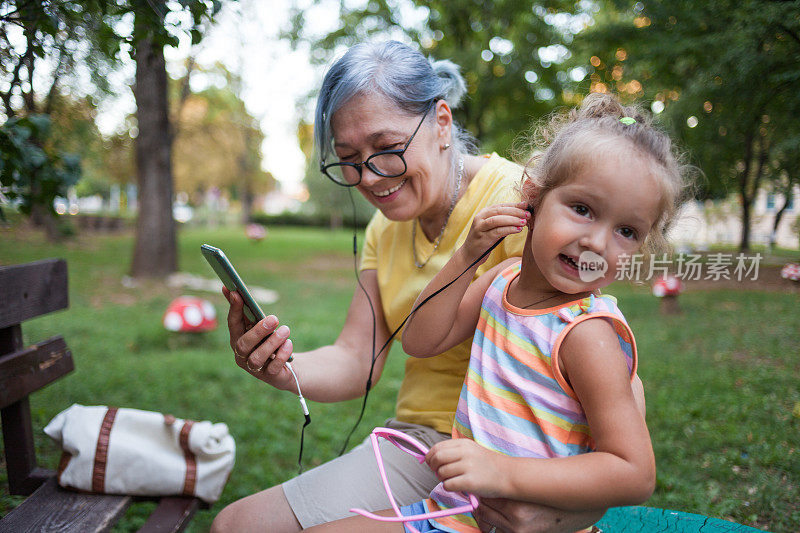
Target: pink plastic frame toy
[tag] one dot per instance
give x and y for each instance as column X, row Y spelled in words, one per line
column 418, row 451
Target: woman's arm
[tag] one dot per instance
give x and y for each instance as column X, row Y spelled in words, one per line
column 527, row 517
column 327, row 374
column 621, row 471
column 451, row 316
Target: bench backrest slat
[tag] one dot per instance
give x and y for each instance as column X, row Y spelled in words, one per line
column 31, row 290
column 31, row 368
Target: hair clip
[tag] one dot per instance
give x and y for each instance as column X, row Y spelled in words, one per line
column 628, row 120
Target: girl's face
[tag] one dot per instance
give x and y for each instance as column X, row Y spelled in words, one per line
column 370, row 123
column 604, row 211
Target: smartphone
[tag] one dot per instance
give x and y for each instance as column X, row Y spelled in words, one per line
column 230, row 278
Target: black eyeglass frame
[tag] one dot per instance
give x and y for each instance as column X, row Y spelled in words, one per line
column 366, row 163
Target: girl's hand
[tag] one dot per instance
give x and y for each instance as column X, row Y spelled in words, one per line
column 261, row 349
column 492, row 224
column 465, row 466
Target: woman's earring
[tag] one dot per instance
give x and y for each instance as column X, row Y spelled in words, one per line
column 446, row 146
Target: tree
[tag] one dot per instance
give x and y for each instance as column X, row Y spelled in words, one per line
column 45, row 46
column 726, row 73
column 217, row 141
column 31, row 173
column 119, row 161
column 74, row 131
column 155, row 249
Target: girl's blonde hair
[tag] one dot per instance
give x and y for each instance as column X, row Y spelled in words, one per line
column 566, row 142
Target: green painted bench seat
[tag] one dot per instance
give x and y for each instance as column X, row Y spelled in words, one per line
column 640, row 519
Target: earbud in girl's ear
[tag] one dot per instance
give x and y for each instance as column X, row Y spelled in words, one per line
column 529, row 209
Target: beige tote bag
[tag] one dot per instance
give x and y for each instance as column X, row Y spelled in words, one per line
column 127, row 451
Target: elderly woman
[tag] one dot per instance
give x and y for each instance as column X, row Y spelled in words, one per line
column 384, row 125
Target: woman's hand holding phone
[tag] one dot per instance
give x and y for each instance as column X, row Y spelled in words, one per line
column 261, row 349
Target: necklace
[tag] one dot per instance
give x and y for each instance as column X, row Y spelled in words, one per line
column 446, row 220
column 537, row 302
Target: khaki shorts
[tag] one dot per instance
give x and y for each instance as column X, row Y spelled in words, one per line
column 329, row 491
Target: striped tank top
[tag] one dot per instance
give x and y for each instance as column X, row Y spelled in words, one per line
column 514, row 399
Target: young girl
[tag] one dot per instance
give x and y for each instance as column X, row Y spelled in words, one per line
column 552, row 359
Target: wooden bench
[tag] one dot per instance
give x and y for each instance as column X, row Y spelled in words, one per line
column 28, row 291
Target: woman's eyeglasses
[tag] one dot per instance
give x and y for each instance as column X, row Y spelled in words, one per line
column 387, row 163
column 416, row 449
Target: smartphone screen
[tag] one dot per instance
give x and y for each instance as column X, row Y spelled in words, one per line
column 230, row 278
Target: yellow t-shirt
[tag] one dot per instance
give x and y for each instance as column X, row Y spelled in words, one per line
column 430, row 388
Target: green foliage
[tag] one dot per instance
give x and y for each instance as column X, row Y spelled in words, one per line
column 727, row 73
column 497, row 45
column 29, row 172
column 154, row 19
column 501, row 101
column 56, row 44
column 74, row 130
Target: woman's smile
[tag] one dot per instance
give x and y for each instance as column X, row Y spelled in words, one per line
column 390, row 193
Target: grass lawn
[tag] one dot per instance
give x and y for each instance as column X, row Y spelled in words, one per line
column 721, row 379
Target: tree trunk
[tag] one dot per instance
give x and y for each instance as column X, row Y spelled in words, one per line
column 744, row 243
column 155, row 252
column 247, row 202
column 752, row 190
column 746, row 199
column 41, row 217
column 773, row 237
column 247, row 187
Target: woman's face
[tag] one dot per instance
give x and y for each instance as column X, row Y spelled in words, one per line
column 371, row 123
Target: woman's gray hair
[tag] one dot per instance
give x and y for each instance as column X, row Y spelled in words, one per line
column 399, row 73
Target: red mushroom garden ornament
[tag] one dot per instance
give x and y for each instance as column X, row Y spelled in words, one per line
column 791, row 271
column 668, row 288
column 255, row 232
column 189, row 314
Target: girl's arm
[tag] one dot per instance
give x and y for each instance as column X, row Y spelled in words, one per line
column 451, row 316
column 621, row 471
